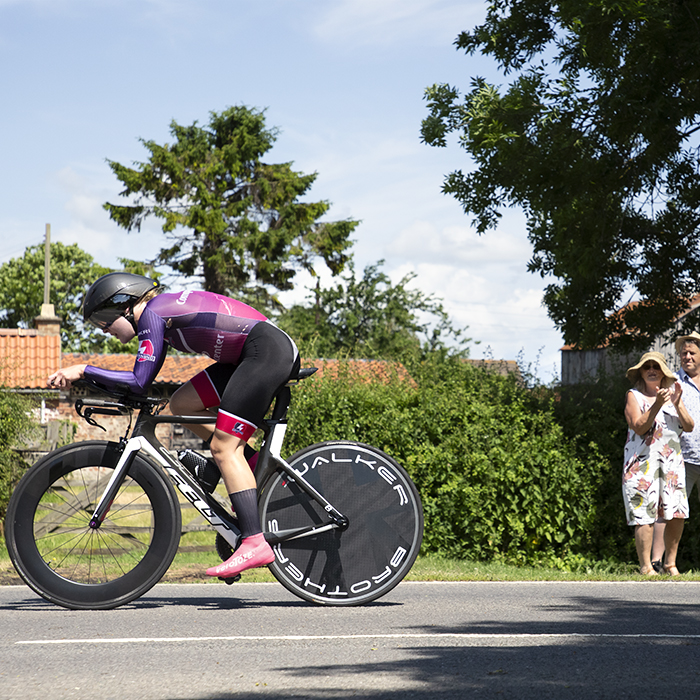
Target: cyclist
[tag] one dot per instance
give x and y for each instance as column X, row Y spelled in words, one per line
column 253, row 359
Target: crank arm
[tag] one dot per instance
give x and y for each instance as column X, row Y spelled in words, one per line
column 298, row 532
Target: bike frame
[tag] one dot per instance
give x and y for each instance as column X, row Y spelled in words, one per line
column 270, row 462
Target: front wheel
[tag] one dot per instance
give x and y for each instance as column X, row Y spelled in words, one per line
column 362, row 562
column 67, row 562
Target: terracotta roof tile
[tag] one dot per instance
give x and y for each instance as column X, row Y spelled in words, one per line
column 693, row 304
column 26, row 358
column 369, row 370
column 177, row 369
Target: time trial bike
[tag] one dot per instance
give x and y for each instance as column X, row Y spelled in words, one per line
column 96, row 524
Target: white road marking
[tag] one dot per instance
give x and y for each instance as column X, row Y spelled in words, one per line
column 295, row 638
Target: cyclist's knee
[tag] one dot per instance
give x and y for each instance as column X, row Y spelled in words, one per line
column 223, row 443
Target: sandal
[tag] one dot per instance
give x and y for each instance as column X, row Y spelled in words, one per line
column 672, row 570
column 658, row 566
column 648, row 571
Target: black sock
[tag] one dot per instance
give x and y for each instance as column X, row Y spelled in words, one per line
column 245, row 503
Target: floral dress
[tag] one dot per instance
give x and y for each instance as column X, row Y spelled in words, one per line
column 653, row 477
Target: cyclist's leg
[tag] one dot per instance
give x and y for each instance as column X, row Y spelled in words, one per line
column 187, row 400
column 227, row 450
column 200, row 397
column 267, row 361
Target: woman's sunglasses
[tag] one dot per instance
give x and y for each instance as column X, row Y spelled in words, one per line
column 650, row 365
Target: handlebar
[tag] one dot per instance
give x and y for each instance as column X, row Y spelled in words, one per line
column 124, row 397
column 126, row 401
column 109, row 408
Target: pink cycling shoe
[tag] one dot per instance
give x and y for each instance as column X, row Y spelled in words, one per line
column 254, row 551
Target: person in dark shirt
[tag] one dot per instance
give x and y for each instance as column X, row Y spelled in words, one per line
column 252, row 360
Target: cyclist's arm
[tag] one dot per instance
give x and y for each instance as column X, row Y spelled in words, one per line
column 149, row 359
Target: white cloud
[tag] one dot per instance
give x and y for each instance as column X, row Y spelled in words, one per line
column 484, row 285
column 506, row 246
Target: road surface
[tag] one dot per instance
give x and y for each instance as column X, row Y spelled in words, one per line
column 423, row 640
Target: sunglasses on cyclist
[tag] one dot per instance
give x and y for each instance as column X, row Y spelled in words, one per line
column 105, row 318
column 114, row 308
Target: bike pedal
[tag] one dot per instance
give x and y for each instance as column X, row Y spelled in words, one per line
column 230, row 580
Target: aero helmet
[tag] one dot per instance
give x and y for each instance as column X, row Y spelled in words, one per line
column 112, row 295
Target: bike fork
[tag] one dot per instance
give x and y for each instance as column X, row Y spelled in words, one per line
column 128, row 450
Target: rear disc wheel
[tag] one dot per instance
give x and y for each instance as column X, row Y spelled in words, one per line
column 362, row 562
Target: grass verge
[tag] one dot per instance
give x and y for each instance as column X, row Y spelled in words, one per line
column 197, row 553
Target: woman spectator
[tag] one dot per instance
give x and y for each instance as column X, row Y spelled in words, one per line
column 653, row 477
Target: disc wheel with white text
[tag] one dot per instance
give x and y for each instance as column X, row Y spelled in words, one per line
column 69, row 563
column 369, row 557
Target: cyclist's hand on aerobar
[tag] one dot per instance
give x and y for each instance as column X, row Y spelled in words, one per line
column 64, row 377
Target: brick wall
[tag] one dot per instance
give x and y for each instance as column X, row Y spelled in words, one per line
column 172, row 435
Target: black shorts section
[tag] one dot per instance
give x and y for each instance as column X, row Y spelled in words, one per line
column 268, row 360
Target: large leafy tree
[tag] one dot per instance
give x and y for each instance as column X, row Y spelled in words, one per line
column 595, row 139
column 370, row 317
column 72, row 272
column 231, row 218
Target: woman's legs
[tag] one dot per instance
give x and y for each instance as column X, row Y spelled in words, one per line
column 643, row 536
column 243, row 394
column 658, row 547
column 672, row 538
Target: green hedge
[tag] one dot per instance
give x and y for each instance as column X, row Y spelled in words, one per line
column 497, row 474
column 505, row 472
column 15, row 426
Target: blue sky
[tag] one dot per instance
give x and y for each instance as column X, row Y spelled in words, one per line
column 343, row 80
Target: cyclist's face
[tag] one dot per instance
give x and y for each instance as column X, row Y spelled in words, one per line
column 121, row 329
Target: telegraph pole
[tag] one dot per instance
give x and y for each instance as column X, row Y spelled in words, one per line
column 47, row 264
column 47, row 323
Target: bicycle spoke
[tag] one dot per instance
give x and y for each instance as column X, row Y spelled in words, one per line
column 61, row 557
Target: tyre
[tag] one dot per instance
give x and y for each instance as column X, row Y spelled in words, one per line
column 65, row 561
column 367, row 559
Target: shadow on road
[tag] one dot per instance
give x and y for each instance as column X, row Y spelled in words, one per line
column 601, row 657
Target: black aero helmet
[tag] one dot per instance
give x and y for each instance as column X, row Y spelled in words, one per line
column 112, row 294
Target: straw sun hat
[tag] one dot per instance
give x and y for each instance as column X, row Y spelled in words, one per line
column 634, row 373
